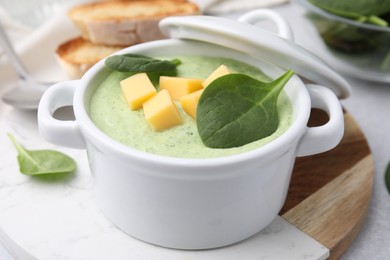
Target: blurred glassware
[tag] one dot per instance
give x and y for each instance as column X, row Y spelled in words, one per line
column 32, row 13
column 28, row 92
column 362, row 50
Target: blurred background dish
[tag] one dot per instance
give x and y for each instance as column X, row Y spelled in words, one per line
column 357, row 49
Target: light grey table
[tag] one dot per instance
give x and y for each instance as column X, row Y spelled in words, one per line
column 369, row 104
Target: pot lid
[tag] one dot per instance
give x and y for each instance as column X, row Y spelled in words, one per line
column 258, row 43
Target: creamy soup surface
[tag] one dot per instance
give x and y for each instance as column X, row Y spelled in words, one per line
column 110, row 113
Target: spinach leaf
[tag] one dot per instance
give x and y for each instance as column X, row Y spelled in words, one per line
column 236, row 109
column 177, row 62
column 41, row 162
column 361, row 7
column 139, row 63
column 387, row 177
column 133, row 55
column 360, row 10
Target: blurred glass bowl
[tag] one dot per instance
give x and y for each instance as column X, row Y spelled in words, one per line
column 358, row 49
column 32, row 13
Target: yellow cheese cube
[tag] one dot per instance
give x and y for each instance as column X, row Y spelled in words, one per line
column 178, row 87
column 219, row 72
column 190, row 102
column 137, row 89
column 161, row 112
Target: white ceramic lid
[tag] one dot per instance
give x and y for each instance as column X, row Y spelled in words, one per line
column 258, row 43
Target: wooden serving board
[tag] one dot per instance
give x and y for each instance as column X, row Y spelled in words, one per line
column 330, row 192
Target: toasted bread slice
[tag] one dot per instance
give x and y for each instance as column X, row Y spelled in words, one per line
column 124, row 23
column 77, row 55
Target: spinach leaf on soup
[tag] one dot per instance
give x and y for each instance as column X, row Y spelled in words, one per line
column 139, row 63
column 236, row 109
column 39, row 162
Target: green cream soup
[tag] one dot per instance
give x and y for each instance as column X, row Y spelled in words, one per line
column 110, row 113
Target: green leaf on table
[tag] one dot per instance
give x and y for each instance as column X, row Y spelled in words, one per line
column 136, row 63
column 387, row 177
column 40, row 162
column 236, row 109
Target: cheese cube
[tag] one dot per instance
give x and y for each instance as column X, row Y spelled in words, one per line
column 178, row 87
column 137, row 89
column 161, row 112
column 190, row 102
column 219, row 72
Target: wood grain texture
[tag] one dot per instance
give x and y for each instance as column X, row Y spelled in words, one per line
column 330, row 192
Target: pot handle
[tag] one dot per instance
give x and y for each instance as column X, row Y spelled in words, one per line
column 59, row 132
column 283, row 28
column 323, row 138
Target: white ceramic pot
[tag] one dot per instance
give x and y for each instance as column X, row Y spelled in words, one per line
column 190, row 203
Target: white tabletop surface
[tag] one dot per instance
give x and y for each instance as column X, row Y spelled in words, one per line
column 369, row 104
